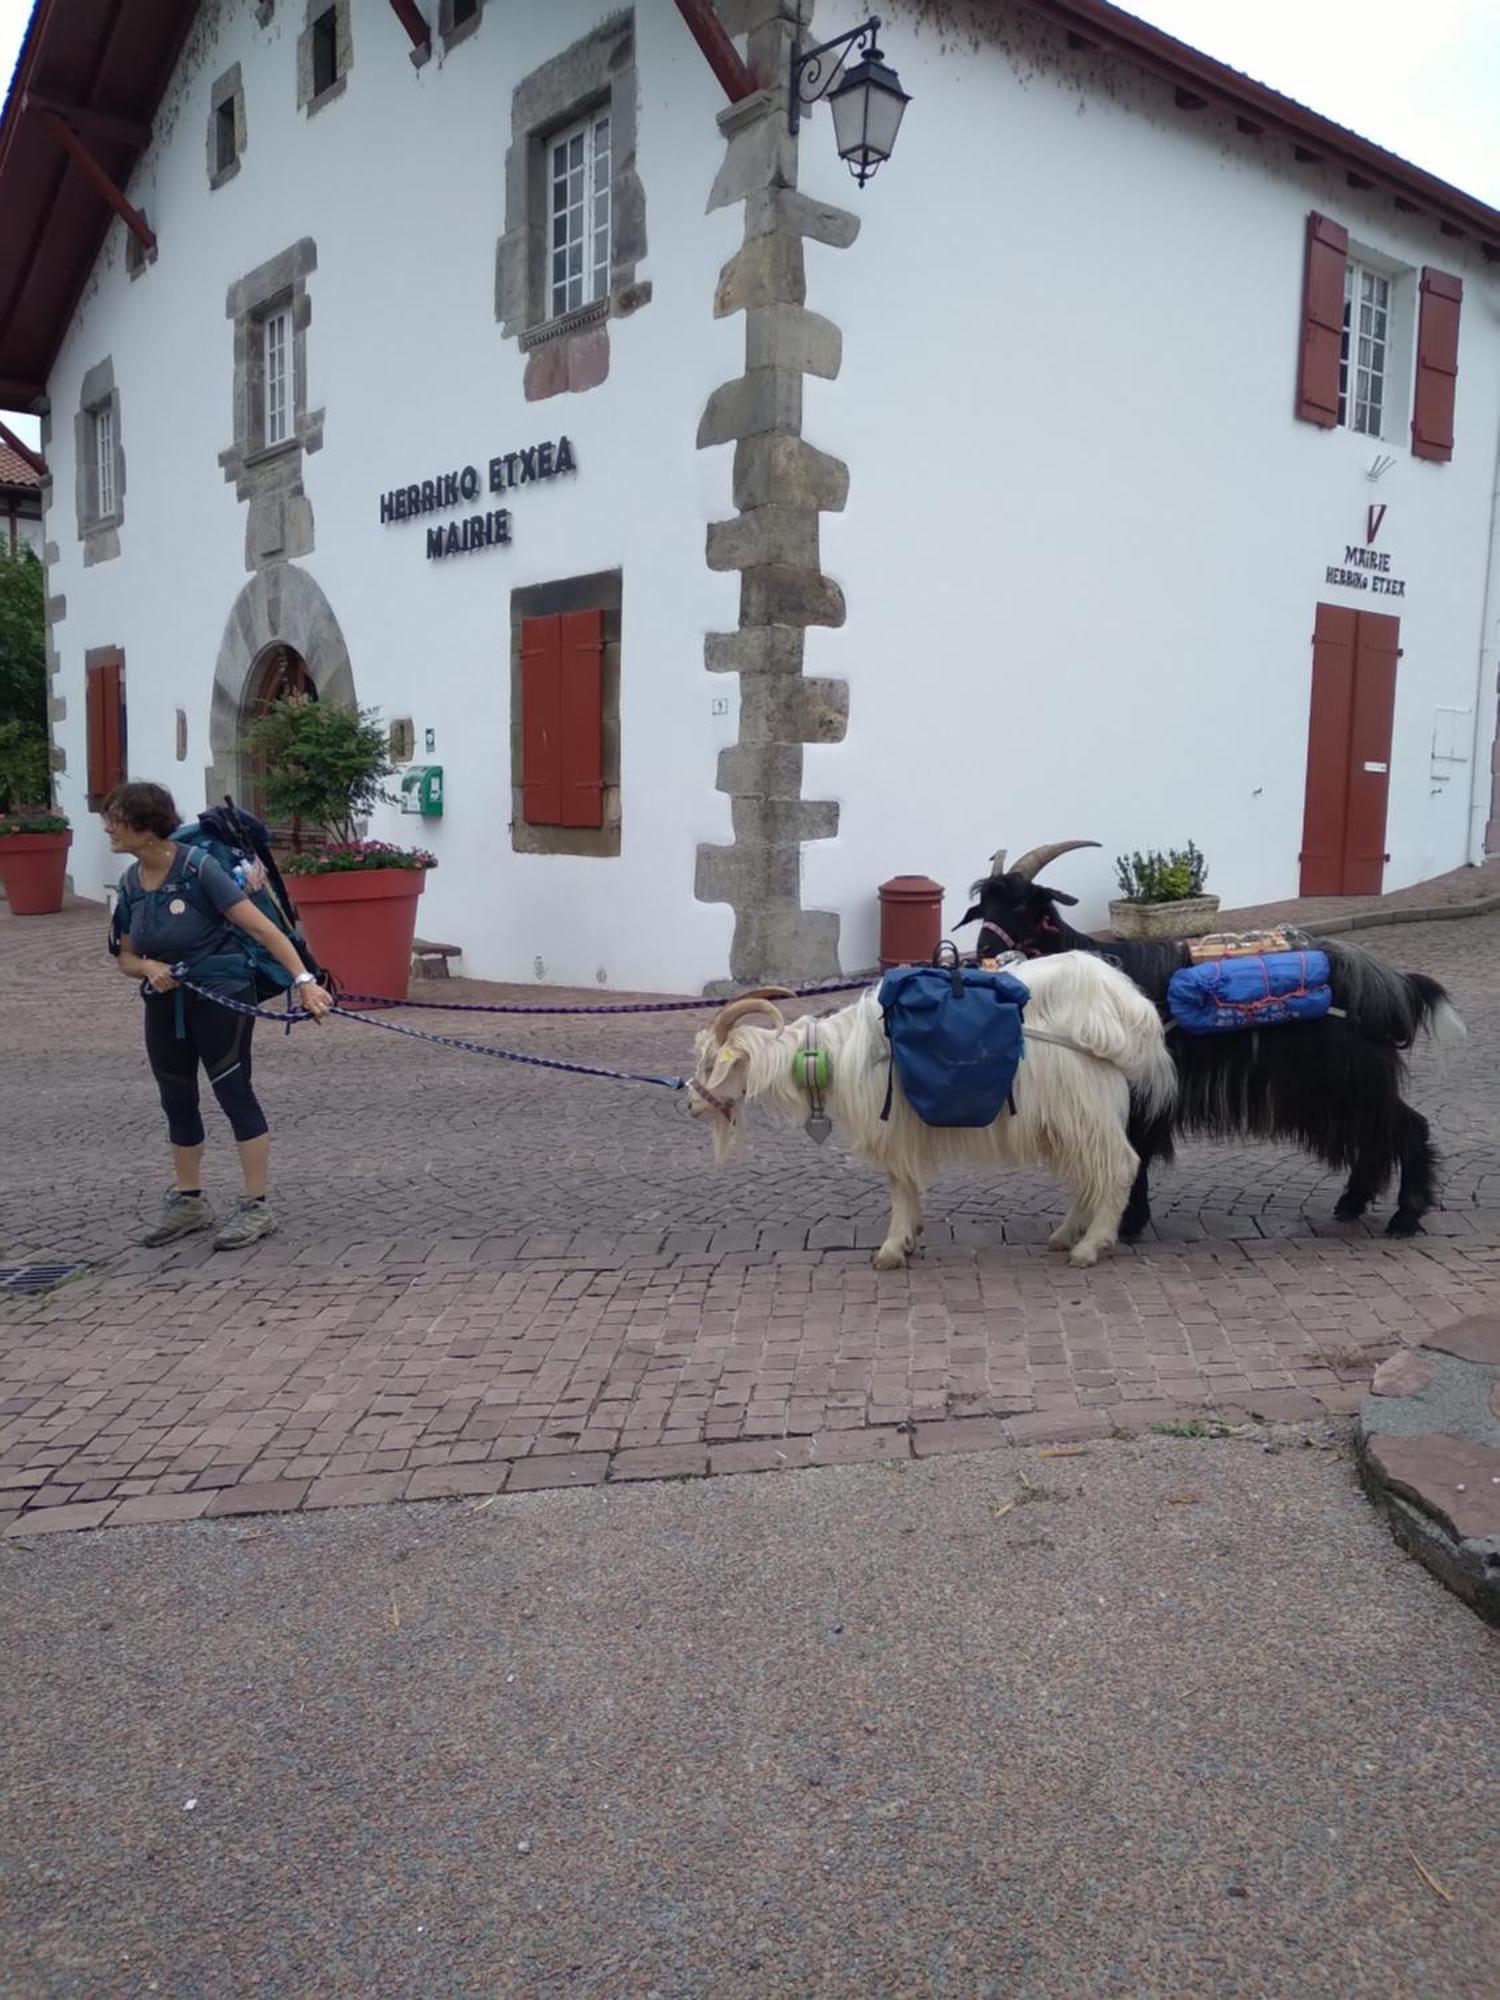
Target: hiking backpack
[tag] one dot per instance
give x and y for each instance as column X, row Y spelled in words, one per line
column 241, row 845
column 956, row 1040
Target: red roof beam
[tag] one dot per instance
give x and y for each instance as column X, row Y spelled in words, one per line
column 105, row 125
column 409, row 15
column 34, row 459
column 132, row 218
column 723, row 58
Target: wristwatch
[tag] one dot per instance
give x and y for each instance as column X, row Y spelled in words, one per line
column 305, row 979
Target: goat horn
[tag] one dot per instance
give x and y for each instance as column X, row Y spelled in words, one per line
column 997, row 863
column 1035, row 859
column 737, row 1010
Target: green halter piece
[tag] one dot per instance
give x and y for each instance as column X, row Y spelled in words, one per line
column 812, row 1069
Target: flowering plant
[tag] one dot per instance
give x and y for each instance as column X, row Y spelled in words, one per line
column 345, row 856
column 33, row 819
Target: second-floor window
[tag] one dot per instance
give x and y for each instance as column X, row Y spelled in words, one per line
column 1364, row 348
column 579, row 172
column 277, row 376
column 104, row 460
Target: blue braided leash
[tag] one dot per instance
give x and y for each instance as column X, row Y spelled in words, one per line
column 289, row 1017
column 613, row 1007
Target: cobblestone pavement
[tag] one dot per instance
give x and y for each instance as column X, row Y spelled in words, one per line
column 489, row 1275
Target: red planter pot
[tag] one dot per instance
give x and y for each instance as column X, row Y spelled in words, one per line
column 32, row 867
column 360, row 924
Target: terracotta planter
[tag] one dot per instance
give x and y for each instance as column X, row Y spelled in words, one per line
column 1191, row 917
column 360, row 924
column 32, row 867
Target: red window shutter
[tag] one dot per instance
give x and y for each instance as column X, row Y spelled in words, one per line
column 1437, row 365
column 104, row 715
column 1326, row 805
column 582, row 673
column 1322, row 321
column 541, row 721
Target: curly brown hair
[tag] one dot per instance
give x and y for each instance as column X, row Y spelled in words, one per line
column 143, row 808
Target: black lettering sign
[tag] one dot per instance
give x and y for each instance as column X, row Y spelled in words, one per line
column 468, row 483
column 544, row 461
column 501, row 519
column 528, row 464
column 429, row 500
column 452, row 546
column 565, row 459
column 497, row 475
column 434, row 543
column 388, row 506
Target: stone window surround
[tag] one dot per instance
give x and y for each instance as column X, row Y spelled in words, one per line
column 99, row 533
column 309, row 100
column 226, row 89
column 597, row 70
column 453, row 37
column 600, row 592
column 270, row 477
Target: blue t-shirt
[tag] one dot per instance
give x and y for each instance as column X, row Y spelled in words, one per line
column 185, row 918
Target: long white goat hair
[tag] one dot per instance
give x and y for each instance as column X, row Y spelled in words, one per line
column 1071, row 1107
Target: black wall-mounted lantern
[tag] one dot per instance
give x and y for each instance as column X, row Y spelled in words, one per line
column 867, row 103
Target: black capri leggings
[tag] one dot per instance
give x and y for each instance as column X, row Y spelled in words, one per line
column 220, row 1040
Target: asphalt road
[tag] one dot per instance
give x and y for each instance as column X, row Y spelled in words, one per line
column 1165, row 1718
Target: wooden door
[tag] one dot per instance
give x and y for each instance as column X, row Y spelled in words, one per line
column 1349, row 751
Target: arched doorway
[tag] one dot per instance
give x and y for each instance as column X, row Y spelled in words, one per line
column 280, row 671
column 281, row 636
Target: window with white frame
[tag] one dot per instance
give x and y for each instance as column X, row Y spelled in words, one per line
column 1364, row 351
column 104, row 460
column 276, row 335
column 578, row 174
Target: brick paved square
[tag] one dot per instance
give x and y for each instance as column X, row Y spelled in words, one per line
column 566, row 1289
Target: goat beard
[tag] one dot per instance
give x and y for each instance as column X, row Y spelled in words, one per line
column 728, row 1134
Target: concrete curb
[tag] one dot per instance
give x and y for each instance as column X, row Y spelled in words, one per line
column 1427, row 1445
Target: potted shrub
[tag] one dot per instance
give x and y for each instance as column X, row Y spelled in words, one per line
column 325, row 767
column 34, row 844
column 1161, row 895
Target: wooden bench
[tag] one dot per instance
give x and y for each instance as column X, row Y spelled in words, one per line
column 430, row 961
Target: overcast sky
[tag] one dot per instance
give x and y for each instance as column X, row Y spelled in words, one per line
column 1421, row 77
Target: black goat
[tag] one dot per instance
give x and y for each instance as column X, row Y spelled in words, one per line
column 1332, row 1086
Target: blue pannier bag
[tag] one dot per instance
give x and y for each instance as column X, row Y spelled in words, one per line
column 956, row 1040
column 1223, row 996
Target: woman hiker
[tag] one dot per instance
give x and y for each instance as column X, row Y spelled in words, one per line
column 169, row 914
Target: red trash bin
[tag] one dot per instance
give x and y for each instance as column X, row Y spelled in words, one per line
column 911, row 920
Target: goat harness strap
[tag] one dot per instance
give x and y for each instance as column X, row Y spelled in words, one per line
column 720, row 1104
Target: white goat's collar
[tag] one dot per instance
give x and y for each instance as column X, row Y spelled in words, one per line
column 814, row 1071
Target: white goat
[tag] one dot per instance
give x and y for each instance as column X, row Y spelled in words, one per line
column 1071, row 1106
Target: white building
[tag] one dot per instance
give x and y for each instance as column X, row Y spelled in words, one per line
column 1121, row 462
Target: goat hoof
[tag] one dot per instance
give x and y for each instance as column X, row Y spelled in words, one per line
column 1060, row 1240
column 1348, row 1208
column 1404, row 1223
column 1131, row 1226
column 889, row 1260
column 1081, row 1258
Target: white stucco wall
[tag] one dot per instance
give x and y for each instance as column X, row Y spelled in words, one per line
column 400, row 183
column 1086, row 535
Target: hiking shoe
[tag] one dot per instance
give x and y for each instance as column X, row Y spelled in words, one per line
column 181, row 1215
column 250, row 1221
